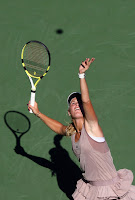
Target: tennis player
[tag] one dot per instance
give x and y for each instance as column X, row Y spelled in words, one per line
column 100, row 179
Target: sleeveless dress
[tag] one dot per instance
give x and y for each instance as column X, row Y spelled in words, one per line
column 100, row 179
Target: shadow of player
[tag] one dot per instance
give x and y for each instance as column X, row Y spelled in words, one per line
column 61, row 165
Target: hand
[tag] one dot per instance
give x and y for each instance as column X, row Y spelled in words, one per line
column 34, row 108
column 86, row 65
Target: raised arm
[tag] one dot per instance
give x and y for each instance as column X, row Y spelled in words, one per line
column 54, row 125
column 91, row 120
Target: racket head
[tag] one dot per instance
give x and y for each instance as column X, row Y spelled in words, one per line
column 36, row 59
column 17, row 122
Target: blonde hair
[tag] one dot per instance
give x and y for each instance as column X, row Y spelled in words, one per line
column 70, row 130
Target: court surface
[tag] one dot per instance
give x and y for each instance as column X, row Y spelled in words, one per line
column 101, row 29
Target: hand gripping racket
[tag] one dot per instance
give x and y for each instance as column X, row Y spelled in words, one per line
column 36, row 60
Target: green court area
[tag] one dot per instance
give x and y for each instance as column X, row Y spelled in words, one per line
column 72, row 30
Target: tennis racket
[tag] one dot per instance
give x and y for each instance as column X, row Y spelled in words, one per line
column 36, row 60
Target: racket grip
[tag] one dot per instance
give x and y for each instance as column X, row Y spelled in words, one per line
column 32, row 99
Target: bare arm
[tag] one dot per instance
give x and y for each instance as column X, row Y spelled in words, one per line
column 91, row 120
column 54, row 125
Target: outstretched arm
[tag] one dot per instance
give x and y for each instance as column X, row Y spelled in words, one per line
column 54, row 125
column 91, row 120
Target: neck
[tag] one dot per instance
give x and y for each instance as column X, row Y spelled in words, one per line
column 78, row 123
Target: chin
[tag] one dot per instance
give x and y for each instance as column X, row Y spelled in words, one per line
column 79, row 116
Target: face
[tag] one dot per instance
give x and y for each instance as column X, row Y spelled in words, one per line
column 74, row 109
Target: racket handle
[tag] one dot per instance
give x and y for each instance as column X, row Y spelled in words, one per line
column 32, row 99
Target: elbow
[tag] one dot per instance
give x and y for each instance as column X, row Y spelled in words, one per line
column 62, row 130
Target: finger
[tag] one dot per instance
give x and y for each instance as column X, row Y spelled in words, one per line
column 92, row 59
column 30, row 106
column 87, row 61
column 82, row 65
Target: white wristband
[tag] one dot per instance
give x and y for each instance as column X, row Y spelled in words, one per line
column 81, row 75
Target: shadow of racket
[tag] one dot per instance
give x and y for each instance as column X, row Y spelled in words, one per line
column 18, row 123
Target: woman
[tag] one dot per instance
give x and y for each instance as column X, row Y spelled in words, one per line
column 100, row 178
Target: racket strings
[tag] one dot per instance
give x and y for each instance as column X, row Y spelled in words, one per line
column 34, row 66
column 36, row 59
column 37, row 55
